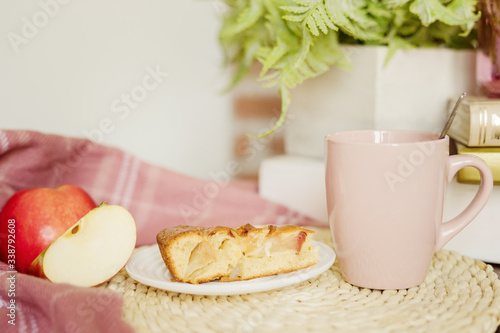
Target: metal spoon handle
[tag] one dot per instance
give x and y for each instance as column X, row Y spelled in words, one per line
column 452, row 116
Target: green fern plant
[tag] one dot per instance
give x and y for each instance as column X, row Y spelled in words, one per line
column 295, row 40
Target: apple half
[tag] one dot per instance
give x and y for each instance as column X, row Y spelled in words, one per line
column 92, row 251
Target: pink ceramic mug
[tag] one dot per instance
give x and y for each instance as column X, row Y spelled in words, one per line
column 385, row 192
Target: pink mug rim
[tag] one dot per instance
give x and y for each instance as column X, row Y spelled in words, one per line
column 347, row 137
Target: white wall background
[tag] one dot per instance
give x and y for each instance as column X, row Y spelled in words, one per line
column 66, row 67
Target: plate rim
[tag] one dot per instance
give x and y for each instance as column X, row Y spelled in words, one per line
column 216, row 288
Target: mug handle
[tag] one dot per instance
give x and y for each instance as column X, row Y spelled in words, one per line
column 449, row 229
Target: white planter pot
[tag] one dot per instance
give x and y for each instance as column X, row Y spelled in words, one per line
column 410, row 92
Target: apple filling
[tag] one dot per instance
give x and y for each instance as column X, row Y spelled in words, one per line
column 268, row 246
column 213, row 257
column 227, row 258
column 201, row 257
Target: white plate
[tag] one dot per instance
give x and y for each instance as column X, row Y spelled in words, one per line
column 148, row 267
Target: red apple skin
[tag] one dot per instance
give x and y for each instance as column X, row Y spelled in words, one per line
column 41, row 215
column 36, row 267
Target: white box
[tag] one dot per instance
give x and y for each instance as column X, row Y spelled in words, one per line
column 295, row 182
column 481, row 238
column 298, row 183
column 410, row 92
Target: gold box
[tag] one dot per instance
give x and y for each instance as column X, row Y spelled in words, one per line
column 490, row 155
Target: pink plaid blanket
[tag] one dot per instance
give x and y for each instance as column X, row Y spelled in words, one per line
column 156, row 197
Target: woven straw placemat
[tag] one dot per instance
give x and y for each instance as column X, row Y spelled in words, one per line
column 459, row 294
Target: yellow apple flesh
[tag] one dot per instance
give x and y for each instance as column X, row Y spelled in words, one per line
column 92, row 251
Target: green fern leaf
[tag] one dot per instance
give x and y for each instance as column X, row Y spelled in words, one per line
column 312, row 14
column 247, row 18
column 295, row 18
column 306, row 71
column 304, row 48
column 319, row 21
column 430, row 11
column 278, row 51
column 306, row 3
column 325, row 18
column 285, row 103
column 270, row 76
column 295, row 9
column 318, row 66
column 251, row 48
column 467, row 11
column 395, row 3
column 311, row 24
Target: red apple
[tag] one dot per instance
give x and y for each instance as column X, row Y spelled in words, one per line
column 32, row 219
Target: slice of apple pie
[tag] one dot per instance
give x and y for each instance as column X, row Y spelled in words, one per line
column 197, row 254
